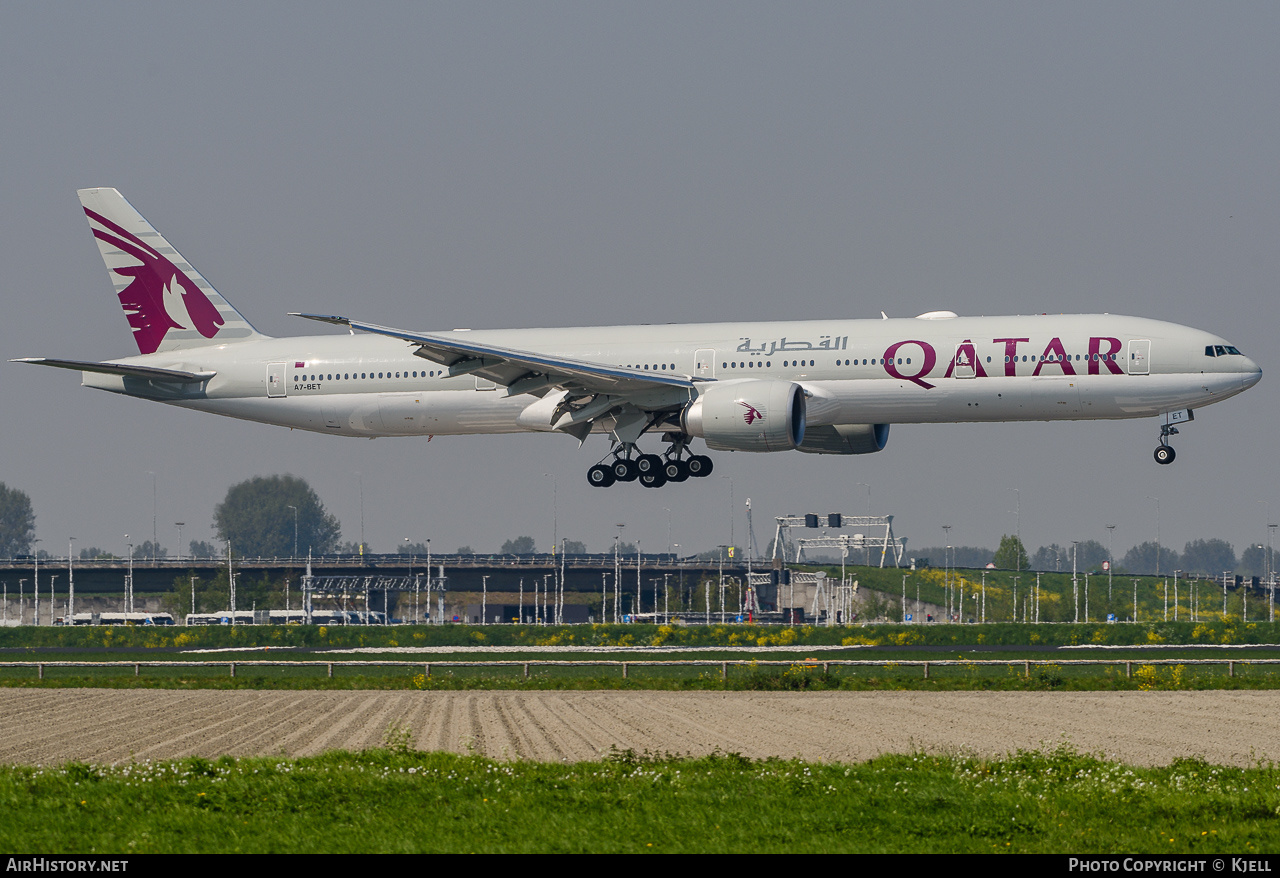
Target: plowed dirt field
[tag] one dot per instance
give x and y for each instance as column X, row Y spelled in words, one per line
column 49, row 726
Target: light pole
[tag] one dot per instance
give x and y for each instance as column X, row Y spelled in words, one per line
column 1271, row 573
column 1157, row 499
column 1075, row 585
column 128, row 591
column 730, row 478
column 1111, row 559
column 1266, row 562
column 360, row 477
column 35, row 585
column 639, row 585
column 294, row 556
column 946, row 570
column 180, row 525
column 154, row 538
column 414, row 581
column 868, row 487
column 679, row 588
column 71, row 583
column 722, row 548
column 617, row 570
column 555, row 526
column 1017, row 530
column 866, row 547
column 604, row 598
column 231, row 584
column 555, row 514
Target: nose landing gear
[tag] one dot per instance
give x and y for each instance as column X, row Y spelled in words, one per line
column 1164, row 453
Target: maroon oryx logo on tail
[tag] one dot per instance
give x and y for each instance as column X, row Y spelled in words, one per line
column 753, row 414
column 151, row 301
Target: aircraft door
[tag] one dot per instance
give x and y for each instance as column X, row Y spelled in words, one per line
column 964, row 361
column 276, row 384
column 704, row 363
column 1139, row 356
column 485, row 384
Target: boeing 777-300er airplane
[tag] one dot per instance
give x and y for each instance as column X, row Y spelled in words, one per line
column 819, row 386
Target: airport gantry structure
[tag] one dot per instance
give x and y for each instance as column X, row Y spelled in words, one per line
column 870, row 532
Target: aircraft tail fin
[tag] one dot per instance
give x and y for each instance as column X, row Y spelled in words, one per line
column 168, row 303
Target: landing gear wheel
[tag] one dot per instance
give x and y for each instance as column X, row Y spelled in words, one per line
column 648, row 463
column 600, row 476
column 624, row 469
column 654, row 479
column 1165, row 454
column 675, row 470
column 699, row 466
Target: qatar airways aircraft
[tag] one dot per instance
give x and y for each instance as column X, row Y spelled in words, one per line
column 819, row 386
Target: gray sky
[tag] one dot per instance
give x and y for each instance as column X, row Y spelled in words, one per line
column 438, row 165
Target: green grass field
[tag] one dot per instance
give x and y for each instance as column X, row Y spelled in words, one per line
column 1217, row 629
column 399, row 800
column 1154, row 656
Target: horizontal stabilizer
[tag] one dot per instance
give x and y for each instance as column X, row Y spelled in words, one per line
column 150, row 373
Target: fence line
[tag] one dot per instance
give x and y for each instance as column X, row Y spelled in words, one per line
column 624, row 666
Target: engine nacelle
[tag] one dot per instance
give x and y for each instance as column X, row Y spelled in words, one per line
column 846, row 439
column 747, row 415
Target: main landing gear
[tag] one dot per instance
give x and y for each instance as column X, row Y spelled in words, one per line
column 650, row 470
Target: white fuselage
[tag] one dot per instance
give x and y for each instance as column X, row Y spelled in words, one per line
column 908, row 370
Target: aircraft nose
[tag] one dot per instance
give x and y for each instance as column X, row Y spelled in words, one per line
column 1252, row 374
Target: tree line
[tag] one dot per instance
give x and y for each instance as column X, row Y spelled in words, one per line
column 1201, row 557
column 281, row 516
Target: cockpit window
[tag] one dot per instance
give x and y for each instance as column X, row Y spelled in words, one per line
column 1221, row 350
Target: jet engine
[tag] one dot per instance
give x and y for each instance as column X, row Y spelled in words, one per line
column 747, row 415
column 846, row 439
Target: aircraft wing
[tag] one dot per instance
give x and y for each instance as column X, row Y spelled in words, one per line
column 523, row 371
column 576, row 393
column 150, row 373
